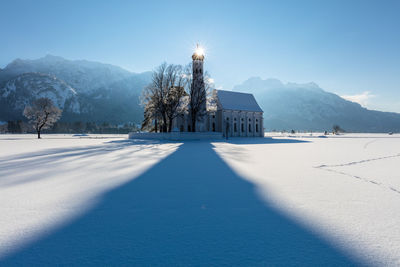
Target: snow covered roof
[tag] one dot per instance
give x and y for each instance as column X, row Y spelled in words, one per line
column 237, row 101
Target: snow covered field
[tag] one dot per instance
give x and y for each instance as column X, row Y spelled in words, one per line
column 279, row 200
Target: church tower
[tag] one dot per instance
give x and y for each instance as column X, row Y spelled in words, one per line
column 198, row 59
column 198, row 76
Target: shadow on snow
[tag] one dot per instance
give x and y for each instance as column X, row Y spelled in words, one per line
column 53, row 158
column 191, row 208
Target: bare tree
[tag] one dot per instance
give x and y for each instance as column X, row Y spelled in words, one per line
column 198, row 96
column 153, row 98
column 161, row 98
column 151, row 110
column 42, row 114
column 175, row 92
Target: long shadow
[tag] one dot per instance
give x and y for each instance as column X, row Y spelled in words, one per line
column 82, row 150
column 48, row 157
column 189, row 209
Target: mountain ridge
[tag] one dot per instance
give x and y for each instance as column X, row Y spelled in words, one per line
column 308, row 107
column 98, row 92
column 104, row 92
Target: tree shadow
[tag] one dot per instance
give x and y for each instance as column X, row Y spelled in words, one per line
column 191, row 208
column 54, row 158
column 87, row 150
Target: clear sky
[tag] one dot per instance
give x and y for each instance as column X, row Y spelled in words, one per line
column 351, row 48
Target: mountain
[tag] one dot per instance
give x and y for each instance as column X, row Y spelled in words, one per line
column 21, row 90
column 85, row 90
column 97, row 92
column 308, row 107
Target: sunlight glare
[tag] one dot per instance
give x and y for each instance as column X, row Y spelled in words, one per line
column 199, row 51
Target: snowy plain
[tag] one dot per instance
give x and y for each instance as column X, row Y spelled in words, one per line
column 281, row 200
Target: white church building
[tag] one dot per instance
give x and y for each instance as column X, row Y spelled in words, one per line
column 232, row 113
column 238, row 114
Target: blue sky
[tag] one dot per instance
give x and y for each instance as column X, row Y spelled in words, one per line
column 351, row 48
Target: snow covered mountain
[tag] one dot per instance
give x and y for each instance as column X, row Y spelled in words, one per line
column 96, row 92
column 21, row 90
column 308, row 107
column 81, row 74
column 86, row 91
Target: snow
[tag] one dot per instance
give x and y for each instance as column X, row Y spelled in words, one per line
column 237, row 101
column 281, row 200
column 40, row 85
column 10, row 87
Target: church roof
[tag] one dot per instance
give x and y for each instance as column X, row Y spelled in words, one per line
column 237, row 101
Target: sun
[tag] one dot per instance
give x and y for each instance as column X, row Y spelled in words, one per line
column 199, row 51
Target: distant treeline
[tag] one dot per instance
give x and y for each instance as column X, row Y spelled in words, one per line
column 20, row 126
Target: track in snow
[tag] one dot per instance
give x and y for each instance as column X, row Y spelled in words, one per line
column 386, row 186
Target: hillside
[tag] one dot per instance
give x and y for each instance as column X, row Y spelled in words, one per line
column 98, row 92
column 308, row 107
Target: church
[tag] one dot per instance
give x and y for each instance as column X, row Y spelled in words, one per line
column 230, row 113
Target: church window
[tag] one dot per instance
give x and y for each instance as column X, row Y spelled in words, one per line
column 213, row 116
column 242, row 127
column 213, row 127
column 256, row 128
column 249, row 128
column 234, row 127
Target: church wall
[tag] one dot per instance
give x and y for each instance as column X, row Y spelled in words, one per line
column 242, row 125
column 235, row 123
column 258, row 124
column 226, row 119
column 212, row 120
column 248, row 124
column 219, row 120
column 253, row 124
